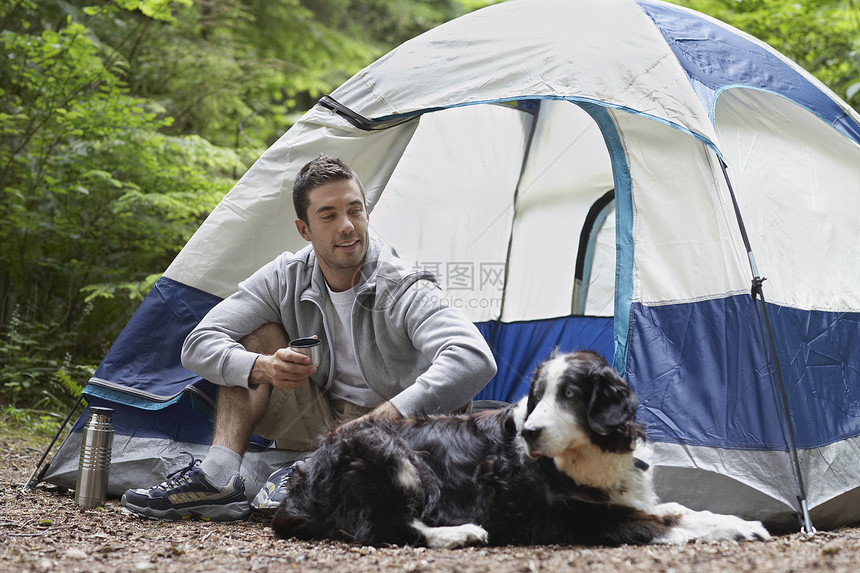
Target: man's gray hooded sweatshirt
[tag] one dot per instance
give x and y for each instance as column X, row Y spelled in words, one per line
column 413, row 348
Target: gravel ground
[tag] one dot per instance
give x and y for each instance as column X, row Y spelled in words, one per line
column 44, row 530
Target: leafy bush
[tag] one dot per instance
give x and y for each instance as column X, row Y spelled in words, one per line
column 95, row 199
column 33, row 382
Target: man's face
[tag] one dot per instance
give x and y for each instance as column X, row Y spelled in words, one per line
column 337, row 229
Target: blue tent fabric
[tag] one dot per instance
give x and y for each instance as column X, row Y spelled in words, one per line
column 715, row 58
column 690, row 394
column 144, row 361
column 188, row 420
column 519, row 347
column 624, row 235
column 822, row 369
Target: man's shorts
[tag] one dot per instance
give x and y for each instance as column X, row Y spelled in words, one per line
column 296, row 417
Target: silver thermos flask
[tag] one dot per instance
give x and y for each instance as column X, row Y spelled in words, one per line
column 94, row 465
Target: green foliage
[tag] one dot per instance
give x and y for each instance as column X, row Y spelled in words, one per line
column 95, row 198
column 155, row 9
column 240, row 72
column 32, row 379
column 122, row 124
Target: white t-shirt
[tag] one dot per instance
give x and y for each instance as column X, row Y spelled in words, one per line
column 349, row 383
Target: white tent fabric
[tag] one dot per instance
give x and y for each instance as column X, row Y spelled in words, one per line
column 531, row 53
column 809, row 253
column 528, row 54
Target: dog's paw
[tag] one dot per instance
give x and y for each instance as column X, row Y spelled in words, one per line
column 451, row 536
column 751, row 531
column 707, row 526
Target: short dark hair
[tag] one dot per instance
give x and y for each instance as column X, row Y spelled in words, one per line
column 324, row 169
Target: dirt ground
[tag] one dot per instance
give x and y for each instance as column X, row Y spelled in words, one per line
column 44, row 530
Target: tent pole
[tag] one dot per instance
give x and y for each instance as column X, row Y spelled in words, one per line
column 757, row 292
column 30, row 484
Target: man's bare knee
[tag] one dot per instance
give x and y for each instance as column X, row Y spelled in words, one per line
column 267, row 339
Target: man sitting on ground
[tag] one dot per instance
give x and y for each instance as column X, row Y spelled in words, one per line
column 391, row 347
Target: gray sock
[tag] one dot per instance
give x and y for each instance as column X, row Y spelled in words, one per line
column 220, row 465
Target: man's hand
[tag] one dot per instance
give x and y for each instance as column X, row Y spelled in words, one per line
column 385, row 411
column 283, row 369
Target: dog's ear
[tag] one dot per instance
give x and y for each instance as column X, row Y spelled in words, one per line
column 531, row 404
column 612, row 404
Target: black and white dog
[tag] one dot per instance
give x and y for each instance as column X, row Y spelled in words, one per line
column 557, row 467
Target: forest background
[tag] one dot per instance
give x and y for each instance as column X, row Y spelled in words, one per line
column 124, row 122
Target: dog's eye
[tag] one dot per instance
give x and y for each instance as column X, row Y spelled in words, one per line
column 570, row 393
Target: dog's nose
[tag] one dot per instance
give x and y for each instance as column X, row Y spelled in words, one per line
column 531, row 435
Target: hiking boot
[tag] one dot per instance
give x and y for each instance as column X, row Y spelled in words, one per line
column 188, row 493
column 275, row 489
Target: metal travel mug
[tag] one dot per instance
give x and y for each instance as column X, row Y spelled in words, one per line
column 94, row 464
column 310, row 346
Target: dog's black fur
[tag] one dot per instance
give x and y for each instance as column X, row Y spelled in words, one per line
column 472, row 468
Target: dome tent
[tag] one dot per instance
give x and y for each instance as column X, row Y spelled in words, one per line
column 560, row 165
